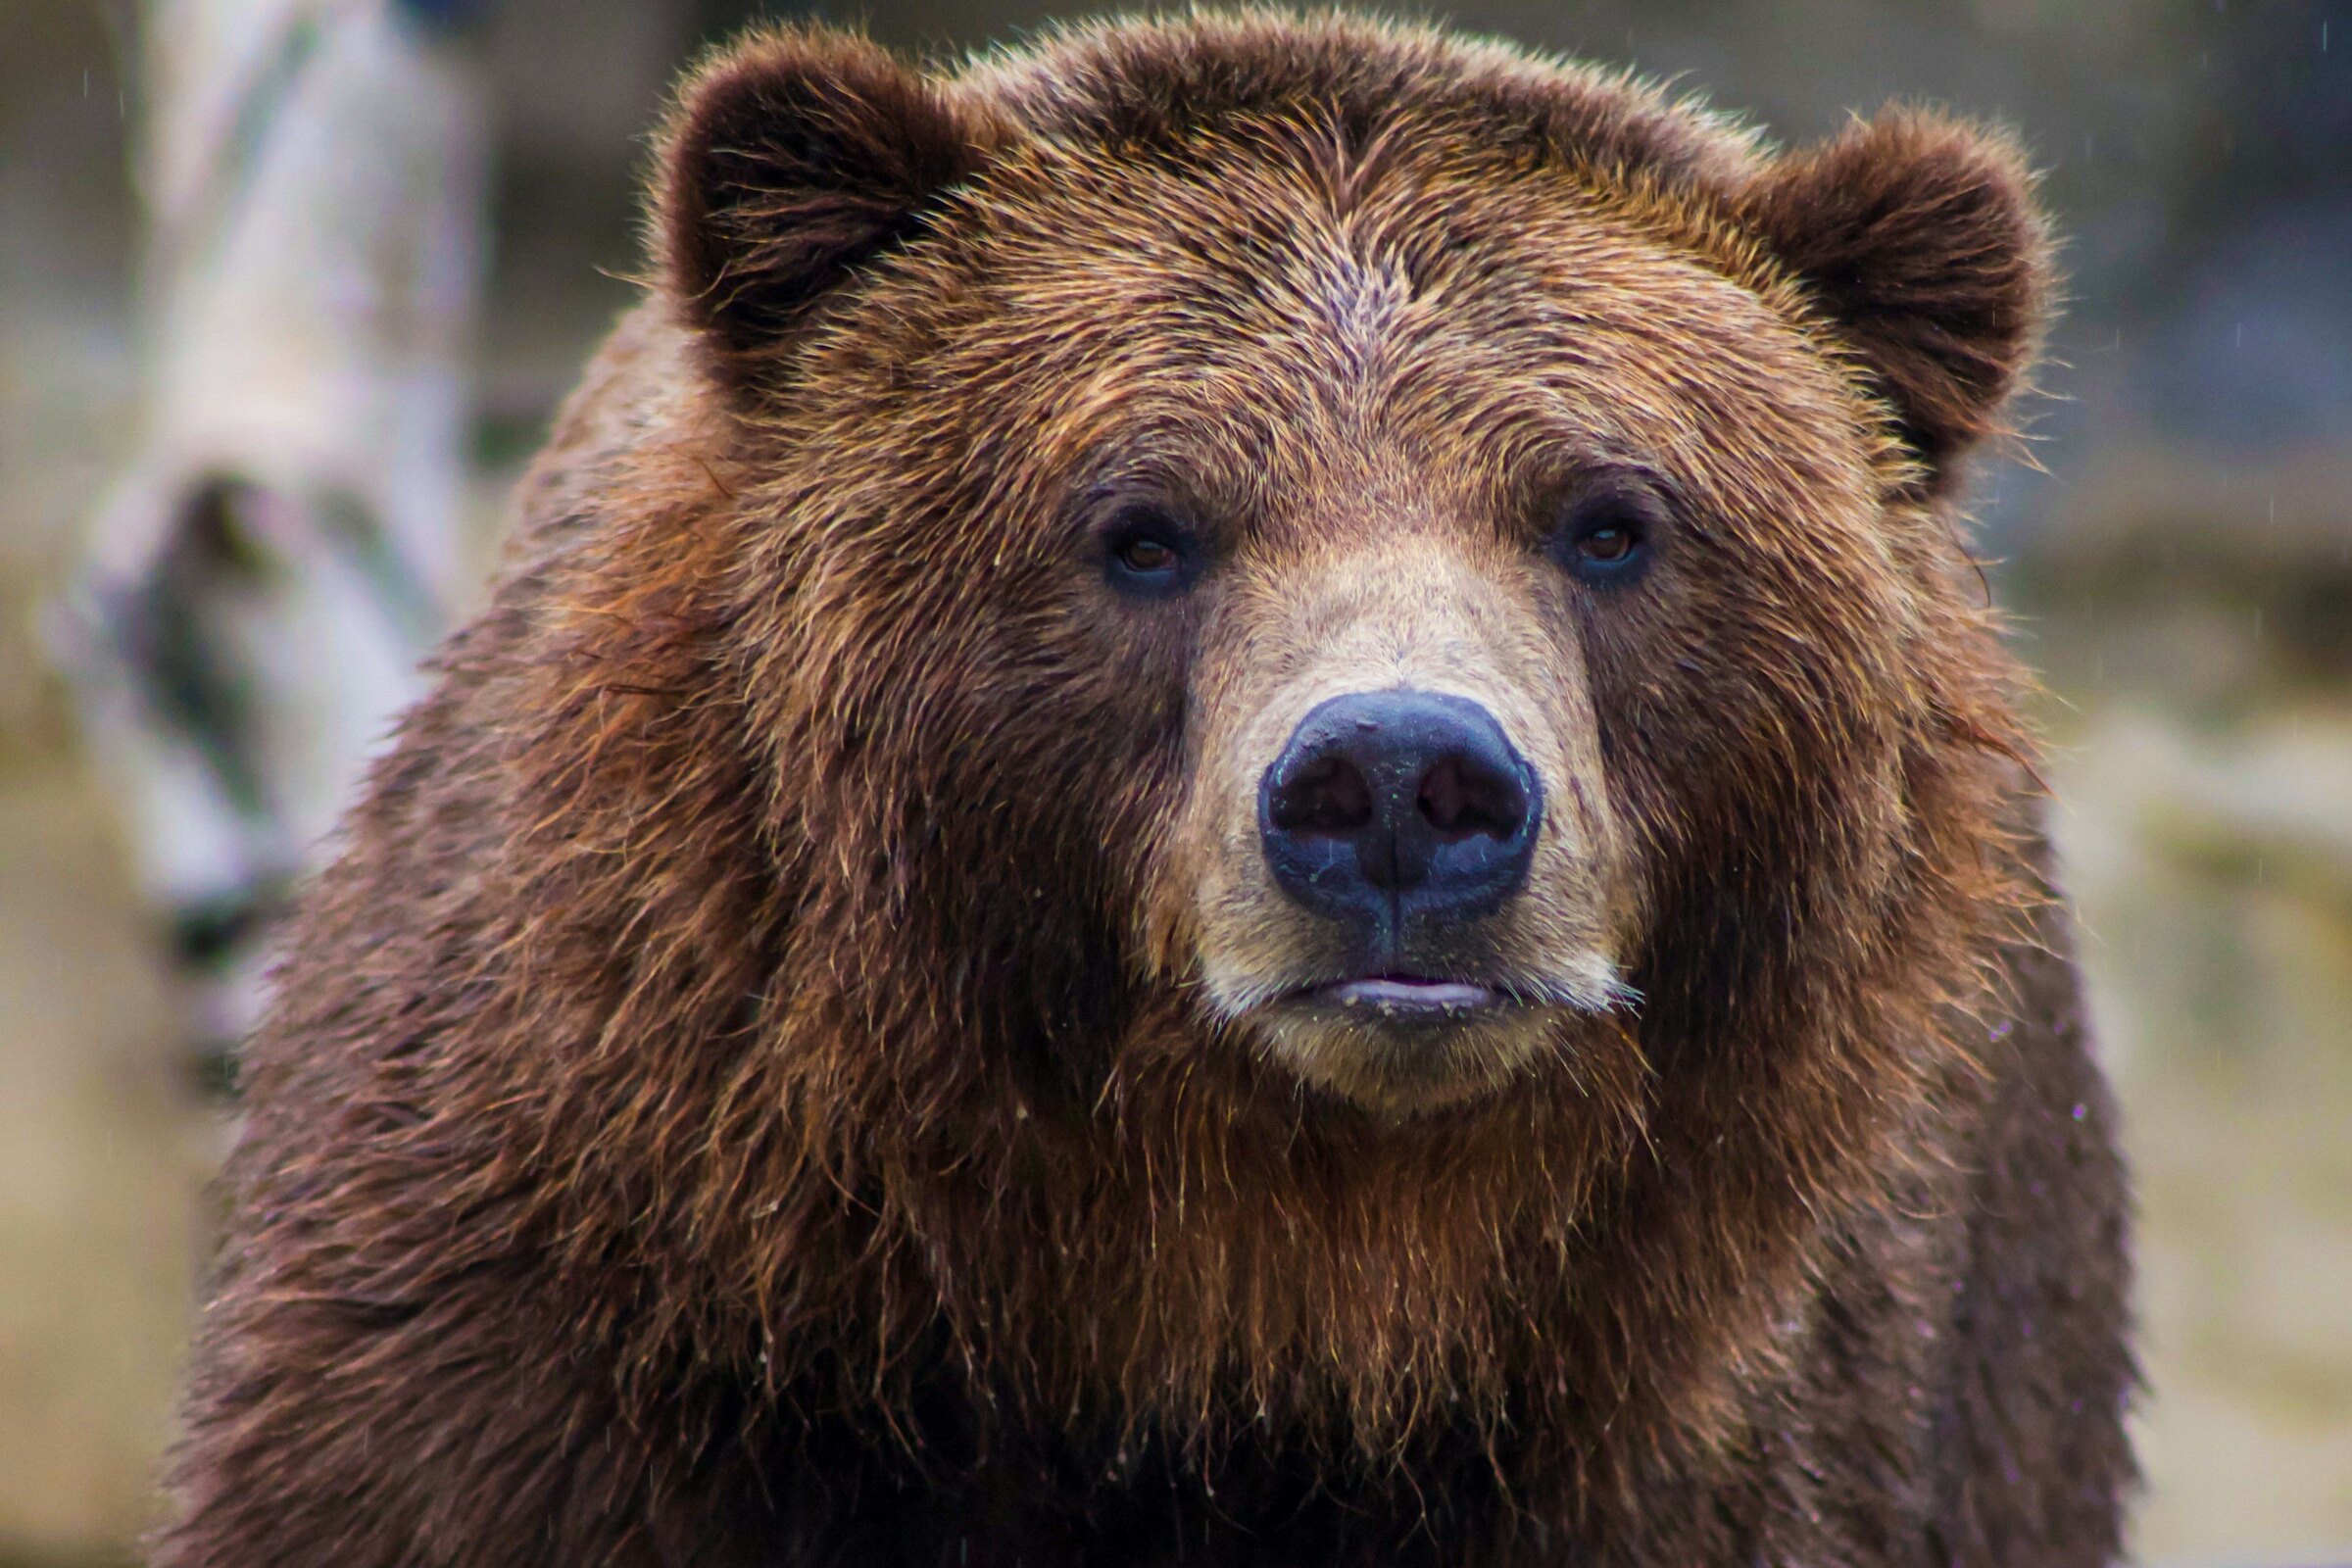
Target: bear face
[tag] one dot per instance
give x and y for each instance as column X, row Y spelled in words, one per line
column 1384, row 389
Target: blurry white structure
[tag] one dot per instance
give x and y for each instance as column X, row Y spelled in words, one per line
column 261, row 584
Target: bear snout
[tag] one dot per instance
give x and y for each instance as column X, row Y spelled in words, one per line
column 1395, row 812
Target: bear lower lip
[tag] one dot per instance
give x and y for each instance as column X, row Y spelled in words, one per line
column 1411, row 996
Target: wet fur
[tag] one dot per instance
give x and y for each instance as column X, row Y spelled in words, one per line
column 745, row 1093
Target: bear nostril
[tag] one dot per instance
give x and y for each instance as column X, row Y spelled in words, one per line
column 1460, row 798
column 1328, row 796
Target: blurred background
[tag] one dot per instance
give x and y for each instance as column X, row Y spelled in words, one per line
column 289, row 288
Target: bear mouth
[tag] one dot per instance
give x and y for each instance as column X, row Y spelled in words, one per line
column 1408, row 997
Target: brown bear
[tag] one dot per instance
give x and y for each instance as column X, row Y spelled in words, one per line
column 1237, row 796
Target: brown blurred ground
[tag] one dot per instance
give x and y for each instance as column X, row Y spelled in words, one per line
column 2183, row 576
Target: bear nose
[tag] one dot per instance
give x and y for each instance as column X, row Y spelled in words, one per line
column 1392, row 809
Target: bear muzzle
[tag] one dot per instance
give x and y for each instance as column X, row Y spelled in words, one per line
column 1395, row 873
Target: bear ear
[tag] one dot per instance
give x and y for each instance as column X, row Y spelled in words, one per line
column 792, row 157
column 1920, row 237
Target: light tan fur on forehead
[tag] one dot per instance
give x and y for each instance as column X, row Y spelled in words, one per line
column 1325, row 273
column 1908, row 247
column 1461, row 125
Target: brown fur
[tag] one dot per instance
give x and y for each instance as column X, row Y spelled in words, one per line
column 780, row 1069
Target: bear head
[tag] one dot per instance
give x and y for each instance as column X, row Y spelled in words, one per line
column 1399, row 555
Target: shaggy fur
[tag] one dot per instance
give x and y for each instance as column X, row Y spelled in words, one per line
column 783, row 1069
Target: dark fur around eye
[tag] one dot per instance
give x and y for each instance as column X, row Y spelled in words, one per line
column 1607, row 535
column 1149, row 551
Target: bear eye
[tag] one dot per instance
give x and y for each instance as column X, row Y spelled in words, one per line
column 1147, row 554
column 1606, row 545
column 1605, row 537
column 1150, row 552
